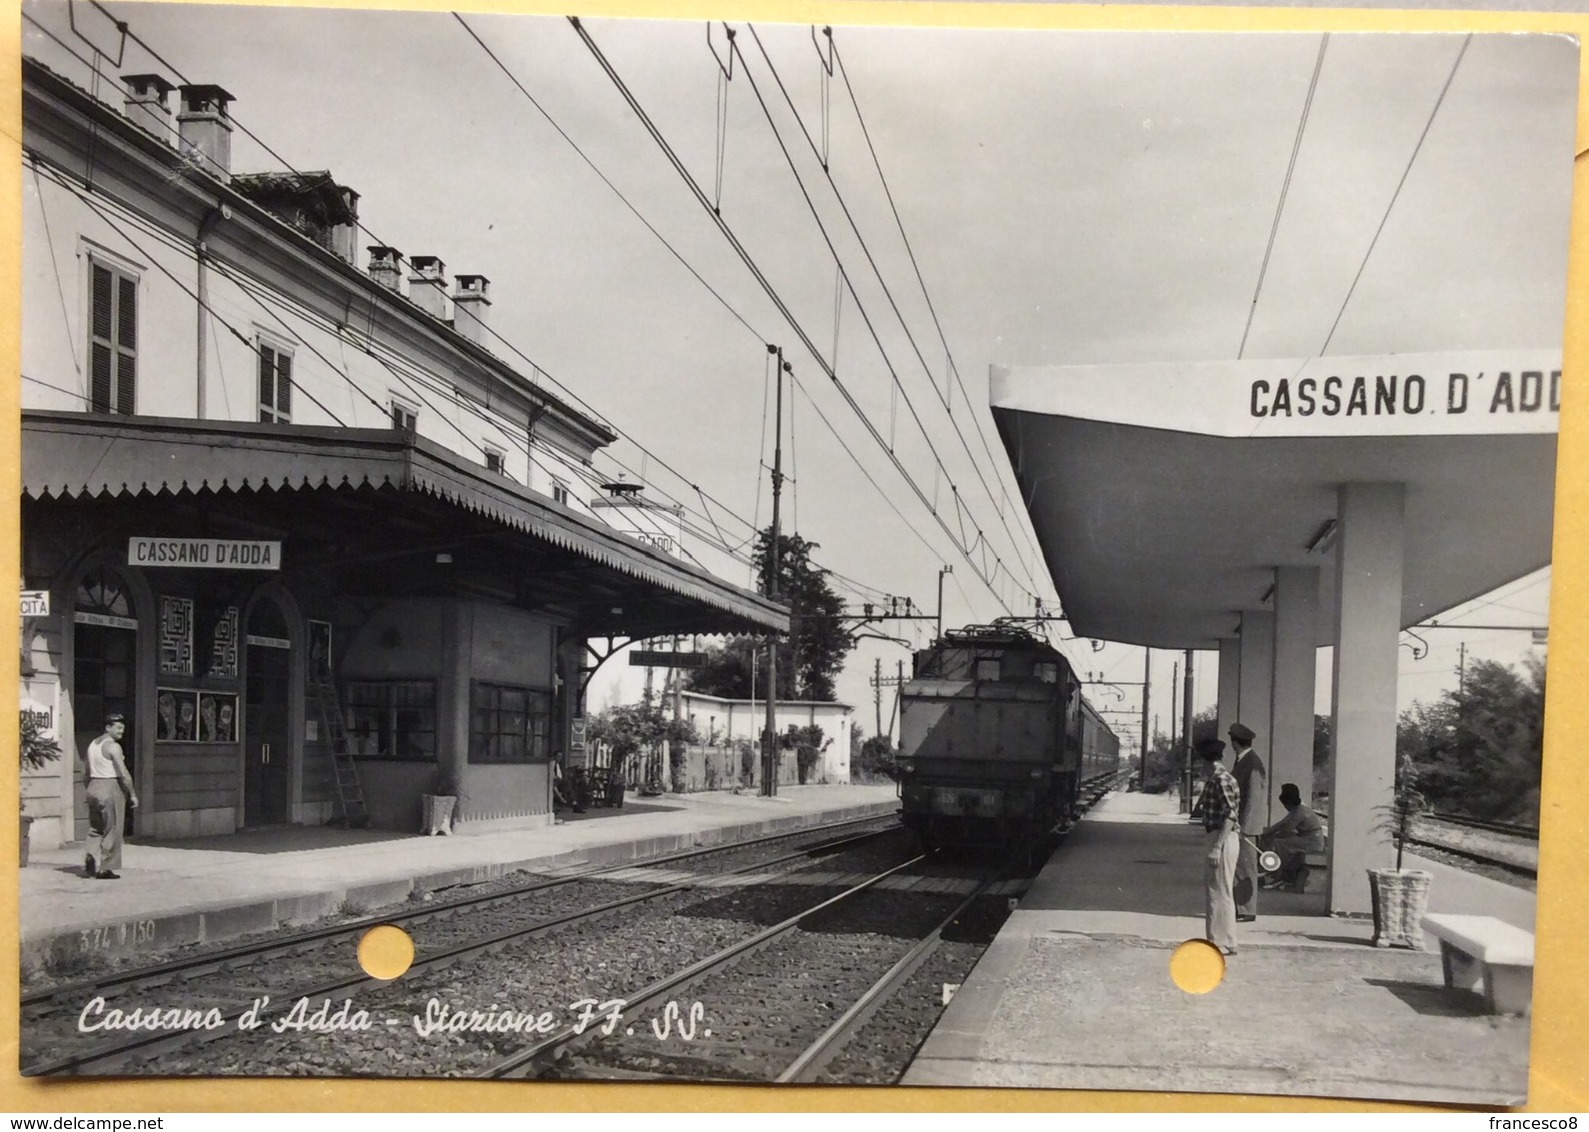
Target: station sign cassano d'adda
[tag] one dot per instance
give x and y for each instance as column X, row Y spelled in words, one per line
column 203, row 553
column 1446, row 394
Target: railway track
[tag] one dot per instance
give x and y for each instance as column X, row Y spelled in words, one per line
column 498, row 975
column 772, row 1007
column 321, row 963
column 767, row 1007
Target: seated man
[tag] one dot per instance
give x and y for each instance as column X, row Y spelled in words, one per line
column 1294, row 836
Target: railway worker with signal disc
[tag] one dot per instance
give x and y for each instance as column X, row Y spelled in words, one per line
column 1250, row 774
column 1220, row 805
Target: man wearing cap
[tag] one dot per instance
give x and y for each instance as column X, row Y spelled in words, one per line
column 1294, row 836
column 1220, row 805
column 1250, row 774
column 108, row 783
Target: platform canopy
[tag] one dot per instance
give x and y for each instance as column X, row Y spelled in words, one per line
column 1164, row 496
column 372, row 511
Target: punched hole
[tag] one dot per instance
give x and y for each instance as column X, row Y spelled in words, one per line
column 385, row 952
column 1197, row 967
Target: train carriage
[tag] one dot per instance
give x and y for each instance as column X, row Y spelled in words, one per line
column 996, row 738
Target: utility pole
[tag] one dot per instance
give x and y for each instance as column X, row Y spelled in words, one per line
column 899, row 700
column 1147, row 676
column 941, row 573
column 877, row 693
column 1186, row 736
column 1175, row 679
column 769, row 782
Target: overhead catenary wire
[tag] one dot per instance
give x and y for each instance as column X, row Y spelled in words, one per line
column 706, row 202
column 1396, row 195
column 1285, row 189
column 910, row 251
column 882, row 282
column 758, row 274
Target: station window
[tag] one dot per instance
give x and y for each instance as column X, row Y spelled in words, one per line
column 404, row 416
column 392, row 719
column 275, row 384
column 496, row 462
column 508, row 724
column 112, row 339
column 560, row 492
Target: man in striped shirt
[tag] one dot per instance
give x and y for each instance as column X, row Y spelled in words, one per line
column 1220, row 805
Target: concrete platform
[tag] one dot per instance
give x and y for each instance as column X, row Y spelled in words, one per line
column 214, row 888
column 1076, row 991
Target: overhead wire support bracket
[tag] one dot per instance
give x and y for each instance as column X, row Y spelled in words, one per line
column 120, row 25
column 726, row 68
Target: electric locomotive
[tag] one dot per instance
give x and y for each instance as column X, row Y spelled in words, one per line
column 996, row 738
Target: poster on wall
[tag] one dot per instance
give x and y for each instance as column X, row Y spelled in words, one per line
column 177, row 713
column 217, row 717
column 186, row 716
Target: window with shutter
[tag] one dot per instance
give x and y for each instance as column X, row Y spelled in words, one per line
column 112, row 340
column 275, row 385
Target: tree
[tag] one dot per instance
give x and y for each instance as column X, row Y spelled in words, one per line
column 872, row 759
column 1477, row 751
column 636, row 733
column 809, row 662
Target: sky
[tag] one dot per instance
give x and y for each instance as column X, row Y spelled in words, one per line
column 1051, row 198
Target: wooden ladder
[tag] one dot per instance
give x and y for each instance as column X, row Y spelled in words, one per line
column 350, row 794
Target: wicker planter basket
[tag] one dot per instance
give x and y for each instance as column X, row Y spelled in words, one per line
column 436, row 813
column 1401, row 897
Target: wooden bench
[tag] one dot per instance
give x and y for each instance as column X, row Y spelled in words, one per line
column 1476, row 949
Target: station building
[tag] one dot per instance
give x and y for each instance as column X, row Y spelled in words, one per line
column 252, row 470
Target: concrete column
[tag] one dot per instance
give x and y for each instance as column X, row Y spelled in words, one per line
column 1229, row 689
column 1368, row 567
column 1257, row 681
column 1296, row 655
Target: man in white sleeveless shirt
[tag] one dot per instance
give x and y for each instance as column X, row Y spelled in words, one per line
column 108, row 784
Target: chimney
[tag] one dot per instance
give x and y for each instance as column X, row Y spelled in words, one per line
column 205, row 129
column 146, row 104
column 470, row 307
column 385, row 268
column 427, row 285
column 345, row 233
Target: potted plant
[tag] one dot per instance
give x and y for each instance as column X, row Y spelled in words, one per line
column 1400, row 896
column 439, row 808
column 38, row 751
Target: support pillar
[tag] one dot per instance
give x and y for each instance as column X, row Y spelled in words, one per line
column 1257, row 681
column 1368, row 572
column 1295, row 673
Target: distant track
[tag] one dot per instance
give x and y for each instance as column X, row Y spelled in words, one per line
column 1513, row 829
